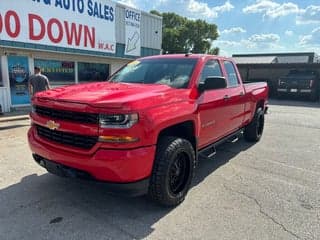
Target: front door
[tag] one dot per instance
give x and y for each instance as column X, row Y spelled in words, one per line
column 18, row 76
column 211, row 107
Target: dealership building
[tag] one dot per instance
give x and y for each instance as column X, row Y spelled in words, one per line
column 71, row 41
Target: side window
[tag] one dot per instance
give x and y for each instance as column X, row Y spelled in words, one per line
column 231, row 73
column 211, row 69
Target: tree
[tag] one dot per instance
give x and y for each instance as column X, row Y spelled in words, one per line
column 214, row 51
column 181, row 34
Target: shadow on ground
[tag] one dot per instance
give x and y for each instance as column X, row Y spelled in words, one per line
column 37, row 205
column 14, row 126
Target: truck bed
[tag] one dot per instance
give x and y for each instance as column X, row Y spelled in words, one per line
column 256, row 88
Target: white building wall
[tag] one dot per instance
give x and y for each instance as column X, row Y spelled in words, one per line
column 4, row 91
column 151, row 28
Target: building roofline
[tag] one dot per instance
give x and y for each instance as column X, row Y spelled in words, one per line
column 274, row 54
column 121, row 5
column 279, row 65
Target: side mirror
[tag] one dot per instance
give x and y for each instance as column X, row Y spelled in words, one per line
column 211, row 83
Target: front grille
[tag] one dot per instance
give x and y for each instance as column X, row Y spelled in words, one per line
column 91, row 118
column 70, row 139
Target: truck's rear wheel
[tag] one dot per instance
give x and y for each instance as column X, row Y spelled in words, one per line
column 254, row 130
column 172, row 171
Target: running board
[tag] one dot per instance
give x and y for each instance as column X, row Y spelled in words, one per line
column 233, row 139
column 210, row 150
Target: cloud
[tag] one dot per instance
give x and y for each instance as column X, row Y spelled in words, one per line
column 193, row 9
column 312, row 39
column 233, row 30
column 262, row 42
column 226, row 43
column 288, row 33
column 197, row 7
column 264, row 38
column 309, row 15
column 226, row 7
column 130, row 3
column 272, row 9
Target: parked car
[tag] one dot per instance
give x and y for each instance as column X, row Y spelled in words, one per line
column 142, row 132
column 299, row 83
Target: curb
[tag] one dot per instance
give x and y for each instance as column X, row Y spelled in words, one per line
column 14, row 118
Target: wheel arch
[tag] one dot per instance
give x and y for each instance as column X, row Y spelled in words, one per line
column 184, row 130
column 260, row 104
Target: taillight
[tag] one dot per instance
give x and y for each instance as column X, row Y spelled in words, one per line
column 311, row 83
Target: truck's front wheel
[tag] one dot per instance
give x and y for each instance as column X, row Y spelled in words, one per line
column 172, row 171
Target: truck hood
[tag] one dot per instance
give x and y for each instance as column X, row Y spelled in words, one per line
column 116, row 95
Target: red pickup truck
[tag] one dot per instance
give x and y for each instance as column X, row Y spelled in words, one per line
column 142, row 131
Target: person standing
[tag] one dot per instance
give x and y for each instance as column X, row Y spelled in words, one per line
column 38, row 82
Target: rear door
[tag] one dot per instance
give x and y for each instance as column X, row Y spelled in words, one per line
column 212, row 108
column 234, row 98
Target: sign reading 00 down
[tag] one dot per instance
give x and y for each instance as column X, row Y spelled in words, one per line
column 82, row 24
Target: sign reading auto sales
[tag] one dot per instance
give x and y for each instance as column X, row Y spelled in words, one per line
column 80, row 24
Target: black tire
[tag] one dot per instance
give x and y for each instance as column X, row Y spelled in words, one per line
column 253, row 131
column 172, row 172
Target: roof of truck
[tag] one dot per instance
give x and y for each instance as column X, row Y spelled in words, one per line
column 186, row 55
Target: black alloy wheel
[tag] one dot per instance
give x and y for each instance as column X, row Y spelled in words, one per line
column 178, row 174
column 173, row 171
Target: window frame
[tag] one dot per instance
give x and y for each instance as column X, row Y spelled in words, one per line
column 206, row 64
column 227, row 74
column 87, row 62
column 52, row 81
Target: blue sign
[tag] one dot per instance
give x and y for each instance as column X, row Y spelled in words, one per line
column 18, row 76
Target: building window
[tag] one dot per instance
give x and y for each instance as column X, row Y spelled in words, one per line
column 59, row 73
column 91, row 72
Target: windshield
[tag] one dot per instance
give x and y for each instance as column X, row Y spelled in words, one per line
column 175, row 73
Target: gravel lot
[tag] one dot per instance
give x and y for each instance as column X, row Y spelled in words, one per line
column 268, row 190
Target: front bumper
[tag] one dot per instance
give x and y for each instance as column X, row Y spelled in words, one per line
column 109, row 165
column 129, row 189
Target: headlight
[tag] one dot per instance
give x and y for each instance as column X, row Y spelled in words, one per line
column 118, row 120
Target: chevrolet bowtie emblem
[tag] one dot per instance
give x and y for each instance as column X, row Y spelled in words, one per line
column 52, row 125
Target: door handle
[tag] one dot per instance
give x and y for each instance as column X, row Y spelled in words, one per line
column 241, row 94
column 226, row 97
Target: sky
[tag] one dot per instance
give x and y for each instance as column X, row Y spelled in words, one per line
column 251, row 26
